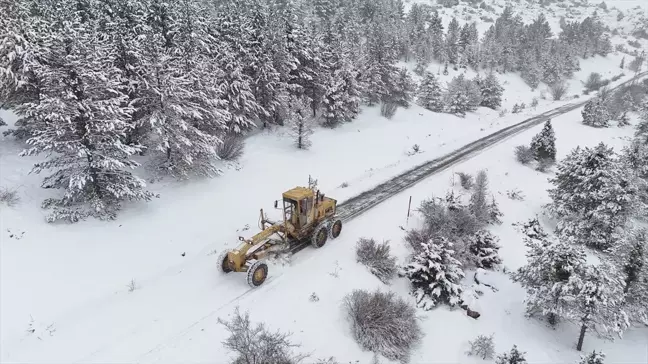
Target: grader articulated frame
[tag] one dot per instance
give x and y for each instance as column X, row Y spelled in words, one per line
column 308, row 217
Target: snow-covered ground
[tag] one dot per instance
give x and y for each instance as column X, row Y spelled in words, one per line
column 73, row 280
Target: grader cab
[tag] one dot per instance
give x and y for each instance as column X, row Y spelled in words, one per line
column 308, row 217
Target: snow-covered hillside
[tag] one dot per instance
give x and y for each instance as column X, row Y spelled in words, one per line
column 147, row 288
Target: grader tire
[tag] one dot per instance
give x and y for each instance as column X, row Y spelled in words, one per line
column 335, row 229
column 320, row 236
column 223, row 263
column 257, row 274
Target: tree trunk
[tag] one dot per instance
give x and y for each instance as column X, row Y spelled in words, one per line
column 581, row 337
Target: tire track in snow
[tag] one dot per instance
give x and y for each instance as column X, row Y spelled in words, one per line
column 363, row 202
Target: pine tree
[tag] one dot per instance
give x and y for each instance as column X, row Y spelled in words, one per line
column 592, row 358
column 491, row 92
column 484, row 248
column 452, row 42
column 430, row 95
column 596, row 300
column 592, row 196
column 543, row 144
column 546, row 275
column 342, row 100
column 435, row 275
column 478, row 203
column 596, row 114
column 513, row 357
column 403, row 89
column 82, row 123
column 301, row 123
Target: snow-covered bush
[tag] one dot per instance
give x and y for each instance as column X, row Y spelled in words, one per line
column 435, row 274
column 592, row 358
column 483, row 346
column 513, row 357
column 594, row 82
column 257, row 344
column 9, row 196
column 484, row 248
column 377, row 257
column 232, row 147
column 383, row 323
column 445, row 218
column 596, row 114
column 523, row 154
column 466, row 180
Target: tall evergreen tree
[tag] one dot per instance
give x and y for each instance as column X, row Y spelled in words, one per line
column 430, row 95
column 592, row 196
column 491, row 92
column 83, row 122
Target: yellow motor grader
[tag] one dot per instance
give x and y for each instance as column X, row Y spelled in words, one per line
column 308, row 217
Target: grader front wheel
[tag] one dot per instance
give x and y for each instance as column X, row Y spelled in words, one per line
column 223, row 262
column 257, row 274
column 336, row 229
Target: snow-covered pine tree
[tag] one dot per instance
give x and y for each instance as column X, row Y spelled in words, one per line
column 593, row 358
column 543, row 145
column 494, row 212
column 478, row 201
column 491, row 92
column 631, row 256
column 435, row 274
column 596, row 114
column 513, row 357
column 452, row 41
column 343, row 95
column 462, row 95
column 546, row 275
column 484, row 248
column 596, row 300
column 404, row 89
column 21, row 51
column 300, row 122
column 592, row 196
column 458, row 103
column 430, row 95
column 534, row 231
column 82, row 123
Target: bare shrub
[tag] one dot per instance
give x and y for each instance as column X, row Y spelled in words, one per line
column 232, row 148
column 257, row 345
column 377, row 258
column 557, row 90
column 9, row 196
column 516, row 195
column 466, row 180
column 132, row 285
column 447, row 219
column 544, row 164
column 383, row 323
column 483, row 347
column 523, row 154
column 594, row 82
column 388, row 109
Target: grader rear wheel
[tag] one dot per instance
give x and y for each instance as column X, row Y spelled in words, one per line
column 336, row 229
column 224, row 263
column 257, row 274
column 320, row 236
